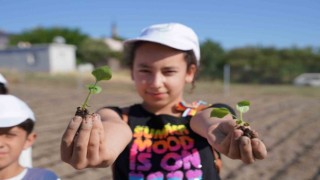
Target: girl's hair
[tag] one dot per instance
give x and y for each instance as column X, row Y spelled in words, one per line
column 3, row 89
column 27, row 125
column 130, row 51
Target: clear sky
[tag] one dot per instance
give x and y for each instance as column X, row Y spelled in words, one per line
column 279, row 23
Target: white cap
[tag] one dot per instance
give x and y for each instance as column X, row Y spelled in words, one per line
column 174, row 35
column 3, row 80
column 13, row 111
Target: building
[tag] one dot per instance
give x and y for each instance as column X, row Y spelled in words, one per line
column 113, row 44
column 51, row 58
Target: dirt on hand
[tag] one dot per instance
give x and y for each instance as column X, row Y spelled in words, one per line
column 83, row 112
column 248, row 132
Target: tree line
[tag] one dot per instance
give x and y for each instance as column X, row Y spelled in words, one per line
column 249, row 64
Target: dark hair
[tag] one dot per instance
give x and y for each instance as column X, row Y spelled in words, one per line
column 3, row 89
column 27, row 125
column 130, row 52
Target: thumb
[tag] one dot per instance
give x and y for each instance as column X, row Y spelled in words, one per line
column 223, row 133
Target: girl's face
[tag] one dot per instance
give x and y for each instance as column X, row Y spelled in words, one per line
column 160, row 74
column 12, row 141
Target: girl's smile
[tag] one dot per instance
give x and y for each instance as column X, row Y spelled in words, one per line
column 157, row 95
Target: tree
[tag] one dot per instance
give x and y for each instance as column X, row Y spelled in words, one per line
column 94, row 51
column 46, row 35
column 212, row 60
column 270, row 65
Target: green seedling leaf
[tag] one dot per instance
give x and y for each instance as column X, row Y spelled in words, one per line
column 243, row 106
column 102, row 73
column 241, row 124
column 219, row 112
column 244, row 103
column 94, row 89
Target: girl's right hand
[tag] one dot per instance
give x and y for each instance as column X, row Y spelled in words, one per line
column 83, row 143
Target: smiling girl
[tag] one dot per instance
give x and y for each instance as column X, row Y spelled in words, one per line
column 162, row 137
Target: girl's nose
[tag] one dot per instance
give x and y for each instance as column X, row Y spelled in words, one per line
column 155, row 80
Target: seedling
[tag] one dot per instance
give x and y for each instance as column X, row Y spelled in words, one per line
column 242, row 107
column 100, row 74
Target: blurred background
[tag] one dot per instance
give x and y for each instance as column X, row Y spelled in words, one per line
column 265, row 51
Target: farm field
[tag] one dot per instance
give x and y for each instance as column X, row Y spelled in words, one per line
column 286, row 117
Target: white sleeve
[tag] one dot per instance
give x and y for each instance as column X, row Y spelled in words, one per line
column 25, row 158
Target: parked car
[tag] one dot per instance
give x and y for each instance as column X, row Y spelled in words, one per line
column 308, row 79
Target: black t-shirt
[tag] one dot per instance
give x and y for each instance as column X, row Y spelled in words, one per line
column 163, row 147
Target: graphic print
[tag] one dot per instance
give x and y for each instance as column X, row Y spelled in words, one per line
column 178, row 158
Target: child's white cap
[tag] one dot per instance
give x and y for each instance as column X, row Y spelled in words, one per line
column 3, row 80
column 13, row 111
column 174, row 35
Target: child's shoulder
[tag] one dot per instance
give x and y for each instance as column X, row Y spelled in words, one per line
column 118, row 109
column 40, row 173
column 114, row 112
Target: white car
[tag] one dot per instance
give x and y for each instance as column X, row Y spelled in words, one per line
column 308, row 79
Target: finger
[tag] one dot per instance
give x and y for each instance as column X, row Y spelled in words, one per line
column 67, row 142
column 94, row 141
column 234, row 150
column 79, row 155
column 225, row 144
column 104, row 154
column 246, row 150
column 258, row 148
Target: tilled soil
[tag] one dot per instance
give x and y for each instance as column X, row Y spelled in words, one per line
column 287, row 122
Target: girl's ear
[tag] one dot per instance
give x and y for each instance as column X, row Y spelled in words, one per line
column 30, row 140
column 191, row 72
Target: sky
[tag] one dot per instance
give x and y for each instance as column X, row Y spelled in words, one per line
column 231, row 23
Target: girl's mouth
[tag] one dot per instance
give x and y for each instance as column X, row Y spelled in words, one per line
column 157, row 95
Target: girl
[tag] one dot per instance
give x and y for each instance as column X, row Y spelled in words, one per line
column 162, row 137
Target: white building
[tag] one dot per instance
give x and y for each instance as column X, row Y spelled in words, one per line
column 51, row 58
column 114, row 45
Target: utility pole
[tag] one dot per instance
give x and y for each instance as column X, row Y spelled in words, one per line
column 226, row 79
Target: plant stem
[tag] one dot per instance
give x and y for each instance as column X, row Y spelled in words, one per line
column 84, row 105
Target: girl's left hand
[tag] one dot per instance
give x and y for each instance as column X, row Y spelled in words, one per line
column 229, row 141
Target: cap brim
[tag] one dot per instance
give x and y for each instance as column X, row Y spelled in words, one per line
column 9, row 122
column 168, row 43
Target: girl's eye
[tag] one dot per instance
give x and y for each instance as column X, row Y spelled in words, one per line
column 169, row 72
column 144, row 71
column 11, row 135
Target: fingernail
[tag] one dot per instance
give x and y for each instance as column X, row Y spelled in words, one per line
column 236, row 135
column 256, row 143
column 88, row 120
column 246, row 141
column 76, row 118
